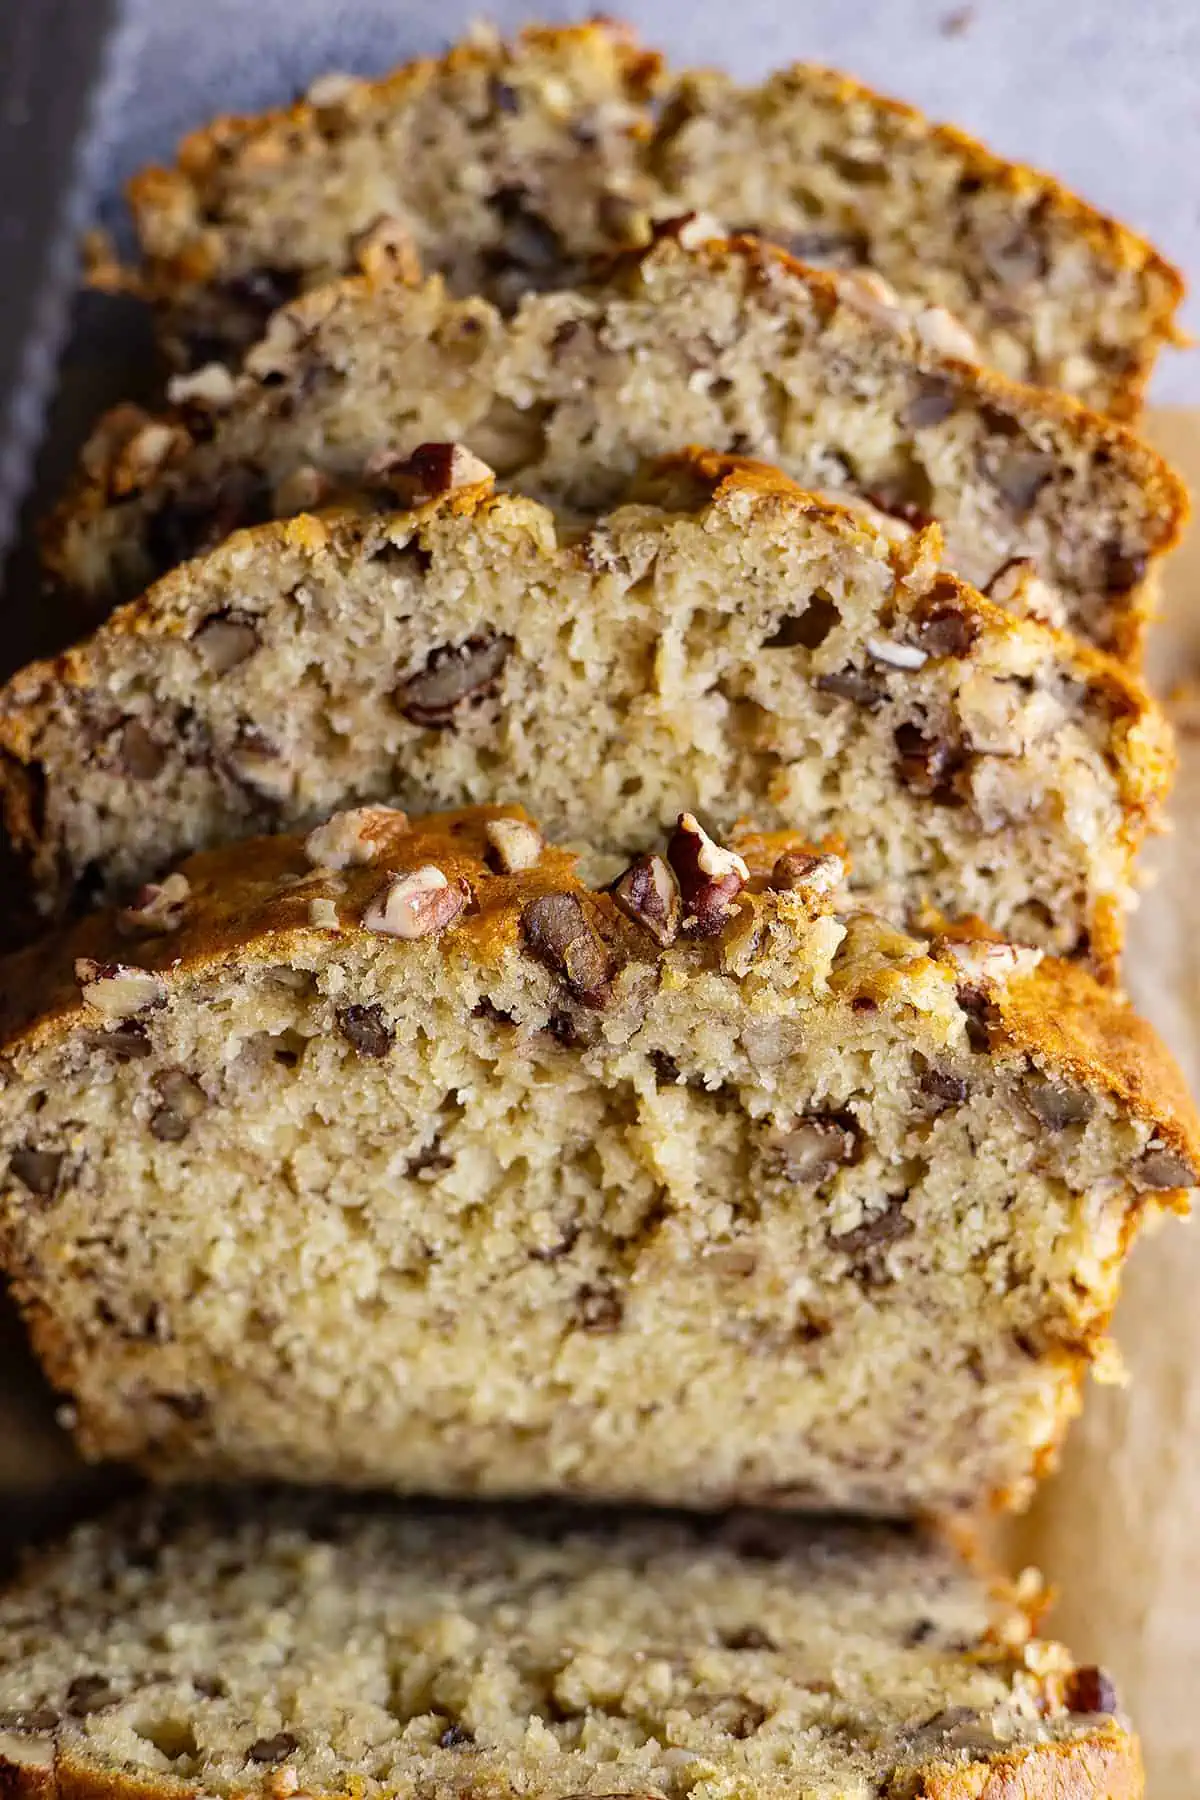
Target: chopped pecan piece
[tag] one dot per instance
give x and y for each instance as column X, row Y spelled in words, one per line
column 1161, row 1168
column 117, row 989
column 225, row 640
column 710, row 877
column 648, row 894
column 559, row 933
column 431, row 471
column 158, row 907
column 367, row 1029
column 1090, row 1690
column 453, row 674
column 357, row 836
column 815, row 1148
column 1057, row 1106
column 37, row 1170
column 513, row 845
column 417, row 905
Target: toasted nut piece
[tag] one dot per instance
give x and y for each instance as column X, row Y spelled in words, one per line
column 648, row 894
column 513, row 845
column 985, row 961
column 416, row 905
column 431, row 471
column 800, row 873
column 453, row 674
column 710, row 877
column 158, row 907
column 896, row 656
column 323, row 914
column 357, row 836
column 225, row 640
column 1160, row 1168
column 559, row 933
column 945, row 335
column 116, row 989
column 1090, row 1690
column 814, row 1148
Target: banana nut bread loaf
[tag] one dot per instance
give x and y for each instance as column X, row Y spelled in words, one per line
column 509, row 165
column 722, row 643
column 274, row 1645
column 396, row 1157
column 727, row 344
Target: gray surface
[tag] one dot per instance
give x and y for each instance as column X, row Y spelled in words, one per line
column 1105, row 93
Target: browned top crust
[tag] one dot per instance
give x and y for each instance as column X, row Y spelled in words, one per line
column 192, row 219
column 253, row 900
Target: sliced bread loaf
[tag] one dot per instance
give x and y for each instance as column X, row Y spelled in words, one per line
column 730, row 345
column 722, row 643
column 272, row 1646
column 396, row 1157
column 507, row 165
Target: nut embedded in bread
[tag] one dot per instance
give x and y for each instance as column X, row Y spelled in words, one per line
column 731, row 345
column 400, row 1158
column 508, row 165
column 266, row 1645
column 722, row 643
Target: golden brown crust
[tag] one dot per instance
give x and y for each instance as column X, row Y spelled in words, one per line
column 252, row 900
column 1105, row 1766
column 1054, row 1013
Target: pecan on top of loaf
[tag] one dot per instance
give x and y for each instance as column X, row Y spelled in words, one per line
column 730, row 344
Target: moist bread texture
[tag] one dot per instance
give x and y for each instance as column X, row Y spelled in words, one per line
column 282, row 1644
column 722, row 643
column 395, row 1157
column 508, row 165
column 732, row 345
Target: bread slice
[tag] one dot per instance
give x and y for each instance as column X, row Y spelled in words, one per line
column 509, row 164
column 396, row 1157
column 721, row 643
column 1053, row 292
column 731, row 345
column 280, row 1644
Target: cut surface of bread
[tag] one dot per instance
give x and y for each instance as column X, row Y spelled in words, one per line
column 722, row 643
column 507, row 165
column 395, row 1157
column 284, row 1644
column 727, row 344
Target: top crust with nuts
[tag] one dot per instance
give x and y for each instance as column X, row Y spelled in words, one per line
column 251, row 898
column 902, row 1174
column 535, row 155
